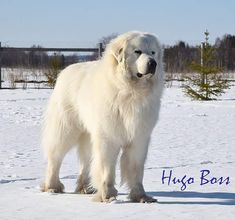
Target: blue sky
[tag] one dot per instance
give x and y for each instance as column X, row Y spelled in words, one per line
column 81, row 23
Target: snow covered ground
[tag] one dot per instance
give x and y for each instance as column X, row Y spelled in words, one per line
column 10, row 75
column 191, row 136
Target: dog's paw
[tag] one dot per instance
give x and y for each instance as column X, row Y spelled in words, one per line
column 110, row 200
column 105, row 197
column 147, row 199
column 98, row 198
column 57, row 188
column 143, row 199
column 85, row 190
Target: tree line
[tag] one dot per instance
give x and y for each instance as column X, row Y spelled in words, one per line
column 35, row 59
column 177, row 58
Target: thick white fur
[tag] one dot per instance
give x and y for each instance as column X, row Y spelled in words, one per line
column 102, row 107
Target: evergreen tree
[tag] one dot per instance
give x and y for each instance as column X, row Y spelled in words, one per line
column 55, row 65
column 207, row 82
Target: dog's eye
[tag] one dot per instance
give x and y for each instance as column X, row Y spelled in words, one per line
column 139, row 52
column 153, row 52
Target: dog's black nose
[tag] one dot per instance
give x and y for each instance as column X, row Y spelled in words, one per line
column 152, row 66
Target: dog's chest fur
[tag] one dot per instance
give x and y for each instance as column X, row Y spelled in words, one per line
column 131, row 113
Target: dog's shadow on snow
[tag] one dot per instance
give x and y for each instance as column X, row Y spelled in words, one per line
column 216, row 198
column 184, row 198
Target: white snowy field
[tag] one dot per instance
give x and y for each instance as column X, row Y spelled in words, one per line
column 191, row 136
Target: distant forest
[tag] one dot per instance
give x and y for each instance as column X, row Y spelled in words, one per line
column 177, row 58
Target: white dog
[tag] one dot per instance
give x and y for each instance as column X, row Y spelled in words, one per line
column 104, row 107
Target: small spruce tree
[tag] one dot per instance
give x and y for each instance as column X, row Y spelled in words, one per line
column 207, row 82
column 55, row 66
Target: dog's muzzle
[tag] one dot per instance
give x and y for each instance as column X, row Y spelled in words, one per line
column 151, row 68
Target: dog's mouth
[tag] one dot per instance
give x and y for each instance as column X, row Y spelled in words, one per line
column 140, row 75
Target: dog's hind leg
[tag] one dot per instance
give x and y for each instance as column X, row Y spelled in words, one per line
column 55, row 155
column 57, row 140
column 52, row 182
column 84, row 151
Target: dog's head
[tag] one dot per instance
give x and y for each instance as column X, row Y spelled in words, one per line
column 137, row 54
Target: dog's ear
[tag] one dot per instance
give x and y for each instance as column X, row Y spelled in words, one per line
column 117, row 49
column 118, row 54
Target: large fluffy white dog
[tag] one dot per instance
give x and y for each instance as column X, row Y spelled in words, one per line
column 102, row 108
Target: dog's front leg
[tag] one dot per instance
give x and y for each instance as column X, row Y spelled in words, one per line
column 132, row 169
column 104, row 160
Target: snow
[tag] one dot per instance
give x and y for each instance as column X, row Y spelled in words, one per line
column 10, row 75
column 191, row 136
